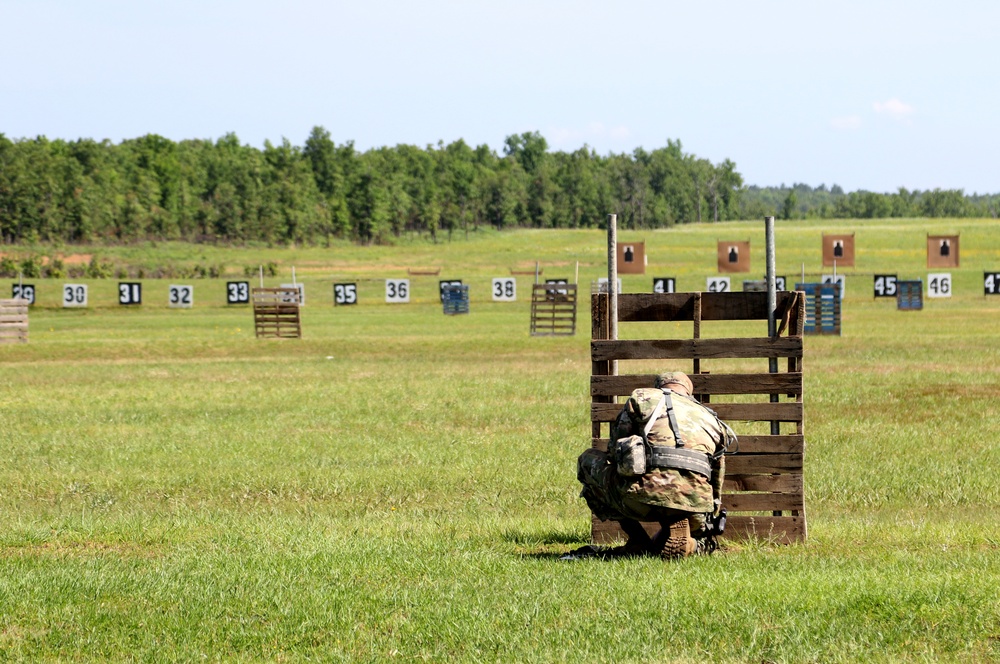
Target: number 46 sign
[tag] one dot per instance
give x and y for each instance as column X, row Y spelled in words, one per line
column 939, row 284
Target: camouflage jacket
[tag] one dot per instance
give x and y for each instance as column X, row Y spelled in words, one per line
column 701, row 431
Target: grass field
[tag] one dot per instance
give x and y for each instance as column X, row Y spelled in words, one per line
column 398, row 485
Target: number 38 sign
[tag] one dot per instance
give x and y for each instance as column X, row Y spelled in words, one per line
column 504, row 289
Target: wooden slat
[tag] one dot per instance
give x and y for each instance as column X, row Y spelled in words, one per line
column 790, row 411
column 751, row 383
column 787, row 483
column 702, row 349
column 748, row 444
column 763, row 502
column 636, row 307
column 767, row 444
column 779, row 529
column 14, row 320
column 747, row 464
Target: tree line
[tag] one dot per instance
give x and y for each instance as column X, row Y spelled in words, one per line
column 152, row 188
column 800, row 201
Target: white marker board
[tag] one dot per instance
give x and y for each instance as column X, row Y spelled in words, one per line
column 505, row 289
column 397, row 291
column 180, row 296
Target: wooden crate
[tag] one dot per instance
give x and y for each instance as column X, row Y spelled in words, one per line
column 553, row 310
column 763, row 491
column 276, row 313
column 14, row 321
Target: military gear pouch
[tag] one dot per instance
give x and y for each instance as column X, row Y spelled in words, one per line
column 630, row 456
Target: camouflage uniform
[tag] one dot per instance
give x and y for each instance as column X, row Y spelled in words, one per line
column 660, row 494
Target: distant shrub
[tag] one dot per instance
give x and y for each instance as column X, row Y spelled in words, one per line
column 98, row 269
column 31, row 267
column 8, row 268
column 270, row 269
column 55, row 269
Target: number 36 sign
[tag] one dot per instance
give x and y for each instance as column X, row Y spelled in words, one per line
column 397, row 290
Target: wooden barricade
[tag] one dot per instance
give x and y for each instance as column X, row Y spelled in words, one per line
column 553, row 310
column 14, row 321
column 763, row 490
column 823, row 307
column 910, row 295
column 455, row 299
column 276, row 313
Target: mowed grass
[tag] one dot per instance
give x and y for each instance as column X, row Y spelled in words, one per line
column 398, row 485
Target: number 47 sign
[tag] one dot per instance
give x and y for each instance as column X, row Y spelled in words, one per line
column 991, row 283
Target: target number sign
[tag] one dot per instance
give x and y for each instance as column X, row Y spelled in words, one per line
column 444, row 283
column 129, row 293
column 885, row 285
column 991, row 283
column 301, row 288
column 504, row 289
column 559, row 291
column 237, row 292
column 780, row 283
column 602, row 285
column 24, row 292
column 664, row 285
column 939, row 284
column 74, row 295
column 397, row 291
column 717, row 285
column 345, row 294
column 180, row 297
column 839, row 280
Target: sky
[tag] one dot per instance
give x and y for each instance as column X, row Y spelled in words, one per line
column 872, row 95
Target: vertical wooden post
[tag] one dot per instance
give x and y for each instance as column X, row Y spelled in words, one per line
column 613, row 283
column 772, row 304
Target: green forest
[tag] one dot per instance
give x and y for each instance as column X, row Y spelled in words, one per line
column 152, row 188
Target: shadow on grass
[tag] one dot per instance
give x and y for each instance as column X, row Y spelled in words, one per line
column 550, row 537
column 546, row 545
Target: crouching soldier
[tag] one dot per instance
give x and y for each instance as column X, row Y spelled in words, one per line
column 665, row 463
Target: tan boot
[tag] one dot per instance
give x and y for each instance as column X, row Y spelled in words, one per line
column 677, row 542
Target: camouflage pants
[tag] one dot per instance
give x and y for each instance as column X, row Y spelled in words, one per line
column 607, row 495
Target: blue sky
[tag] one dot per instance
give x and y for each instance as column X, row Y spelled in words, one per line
column 869, row 95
